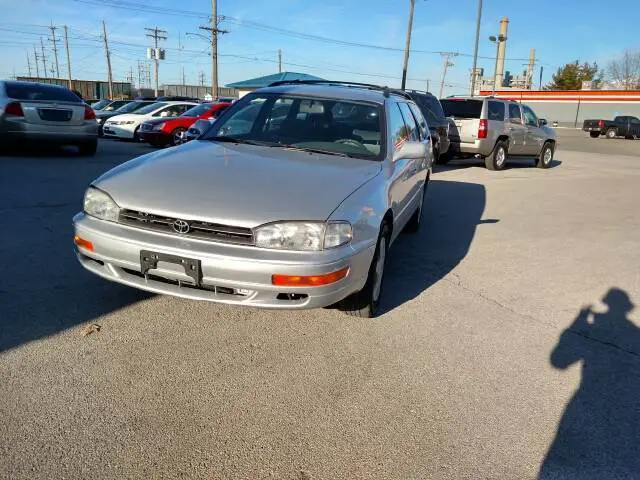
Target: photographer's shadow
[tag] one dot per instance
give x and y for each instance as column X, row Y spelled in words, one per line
column 599, row 434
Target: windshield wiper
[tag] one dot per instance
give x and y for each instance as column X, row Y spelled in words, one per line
column 227, row 139
column 313, row 150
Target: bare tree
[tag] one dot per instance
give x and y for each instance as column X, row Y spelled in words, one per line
column 624, row 71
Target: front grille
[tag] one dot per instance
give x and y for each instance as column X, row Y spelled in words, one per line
column 197, row 229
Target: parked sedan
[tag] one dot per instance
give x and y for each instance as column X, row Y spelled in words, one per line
column 161, row 132
column 293, row 209
column 36, row 112
column 127, row 126
column 130, row 107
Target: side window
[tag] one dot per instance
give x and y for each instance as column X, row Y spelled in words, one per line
column 424, row 128
column 413, row 133
column 496, row 111
column 397, row 127
column 514, row 113
column 279, row 112
column 218, row 112
column 529, row 117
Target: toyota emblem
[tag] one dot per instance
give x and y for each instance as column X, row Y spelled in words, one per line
column 181, row 226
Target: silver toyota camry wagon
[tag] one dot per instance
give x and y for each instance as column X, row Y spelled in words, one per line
column 291, row 199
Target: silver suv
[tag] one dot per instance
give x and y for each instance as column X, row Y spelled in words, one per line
column 495, row 129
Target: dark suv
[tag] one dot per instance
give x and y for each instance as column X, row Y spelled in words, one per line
column 438, row 124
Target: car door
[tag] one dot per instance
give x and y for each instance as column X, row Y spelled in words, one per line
column 401, row 168
column 515, row 130
column 535, row 135
column 634, row 127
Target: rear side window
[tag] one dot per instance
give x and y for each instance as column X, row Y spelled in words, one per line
column 397, row 127
column 496, row 111
column 514, row 113
column 413, row 134
column 420, row 119
column 25, row 91
column 462, row 108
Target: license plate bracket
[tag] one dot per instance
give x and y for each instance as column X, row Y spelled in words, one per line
column 149, row 260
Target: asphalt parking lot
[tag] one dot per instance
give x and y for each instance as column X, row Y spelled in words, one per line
column 509, row 347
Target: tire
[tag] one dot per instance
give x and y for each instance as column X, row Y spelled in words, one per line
column 611, row 133
column 436, row 155
column 594, row 134
column 88, row 149
column 136, row 135
column 546, row 156
column 413, row 225
column 177, row 136
column 365, row 303
column 497, row 159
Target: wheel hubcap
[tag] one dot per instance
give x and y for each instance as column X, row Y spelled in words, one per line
column 382, row 254
column 178, row 137
column 500, row 156
column 547, row 156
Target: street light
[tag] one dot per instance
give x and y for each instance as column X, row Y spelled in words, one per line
column 497, row 40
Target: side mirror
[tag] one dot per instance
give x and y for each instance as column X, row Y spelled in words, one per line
column 542, row 122
column 411, row 150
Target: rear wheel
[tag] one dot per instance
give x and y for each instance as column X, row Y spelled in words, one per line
column 365, row 303
column 88, row 149
column 611, row 133
column 594, row 134
column 497, row 159
column 545, row 157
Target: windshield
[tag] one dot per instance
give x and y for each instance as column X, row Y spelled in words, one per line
column 197, row 110
column 100, row 104
column 152, row 107
column 331, row 126
column 132, row 106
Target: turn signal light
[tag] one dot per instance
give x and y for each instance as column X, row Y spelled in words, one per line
column 82, row 243
column 310, row 280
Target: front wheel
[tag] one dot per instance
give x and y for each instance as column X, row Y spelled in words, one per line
column 545, row 157
column 365, row 303
column 594, row 134
column 497, row 159
column 611, row 133
column 177, row 136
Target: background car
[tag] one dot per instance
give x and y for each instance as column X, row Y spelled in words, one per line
column 127, row 125
column 115, row 105
column 102, row 116
column 170, row 98
column 197, row 129
column 100, row 104
column 37, row 112
column 438, row 124
column 160, row 132
column 495, row 129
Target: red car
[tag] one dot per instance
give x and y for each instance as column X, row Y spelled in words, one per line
column 160, row 132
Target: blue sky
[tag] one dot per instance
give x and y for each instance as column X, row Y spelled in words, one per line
column 560, row 31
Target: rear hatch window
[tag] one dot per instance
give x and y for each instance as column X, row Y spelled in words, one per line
column 462, row 108
column 430, row 108
column 35, row 92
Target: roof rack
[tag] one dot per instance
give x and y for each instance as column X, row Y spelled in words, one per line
column 385, row 90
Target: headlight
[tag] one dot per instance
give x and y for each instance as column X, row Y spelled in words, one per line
column 306, row 236
column 159, row 126
column 100, row 205
column 99, row 120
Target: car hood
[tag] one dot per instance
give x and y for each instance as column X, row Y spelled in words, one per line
column 240, row 185
column 128, row 116
column 155, row 121
column 102, row 114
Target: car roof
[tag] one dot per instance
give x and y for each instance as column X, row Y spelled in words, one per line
column 40, row 84
column 340, row 92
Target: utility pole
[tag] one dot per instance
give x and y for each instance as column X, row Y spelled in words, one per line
column 475, row 50
column 279, row 61
column 407, row 45
column 44, row 59
column 540, row 84
column 214, row 31
column 156, row 34
column 55, row 47
column 108, row 55
column 35, row 55
column 201, row 78
column 427, row 84
column 66, row 46
column 29, row 64
column 139, row 75
column 447, row 64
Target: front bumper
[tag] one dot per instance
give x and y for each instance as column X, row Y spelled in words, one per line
column 155, row 137
column 232, row 274
column 117, row 131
